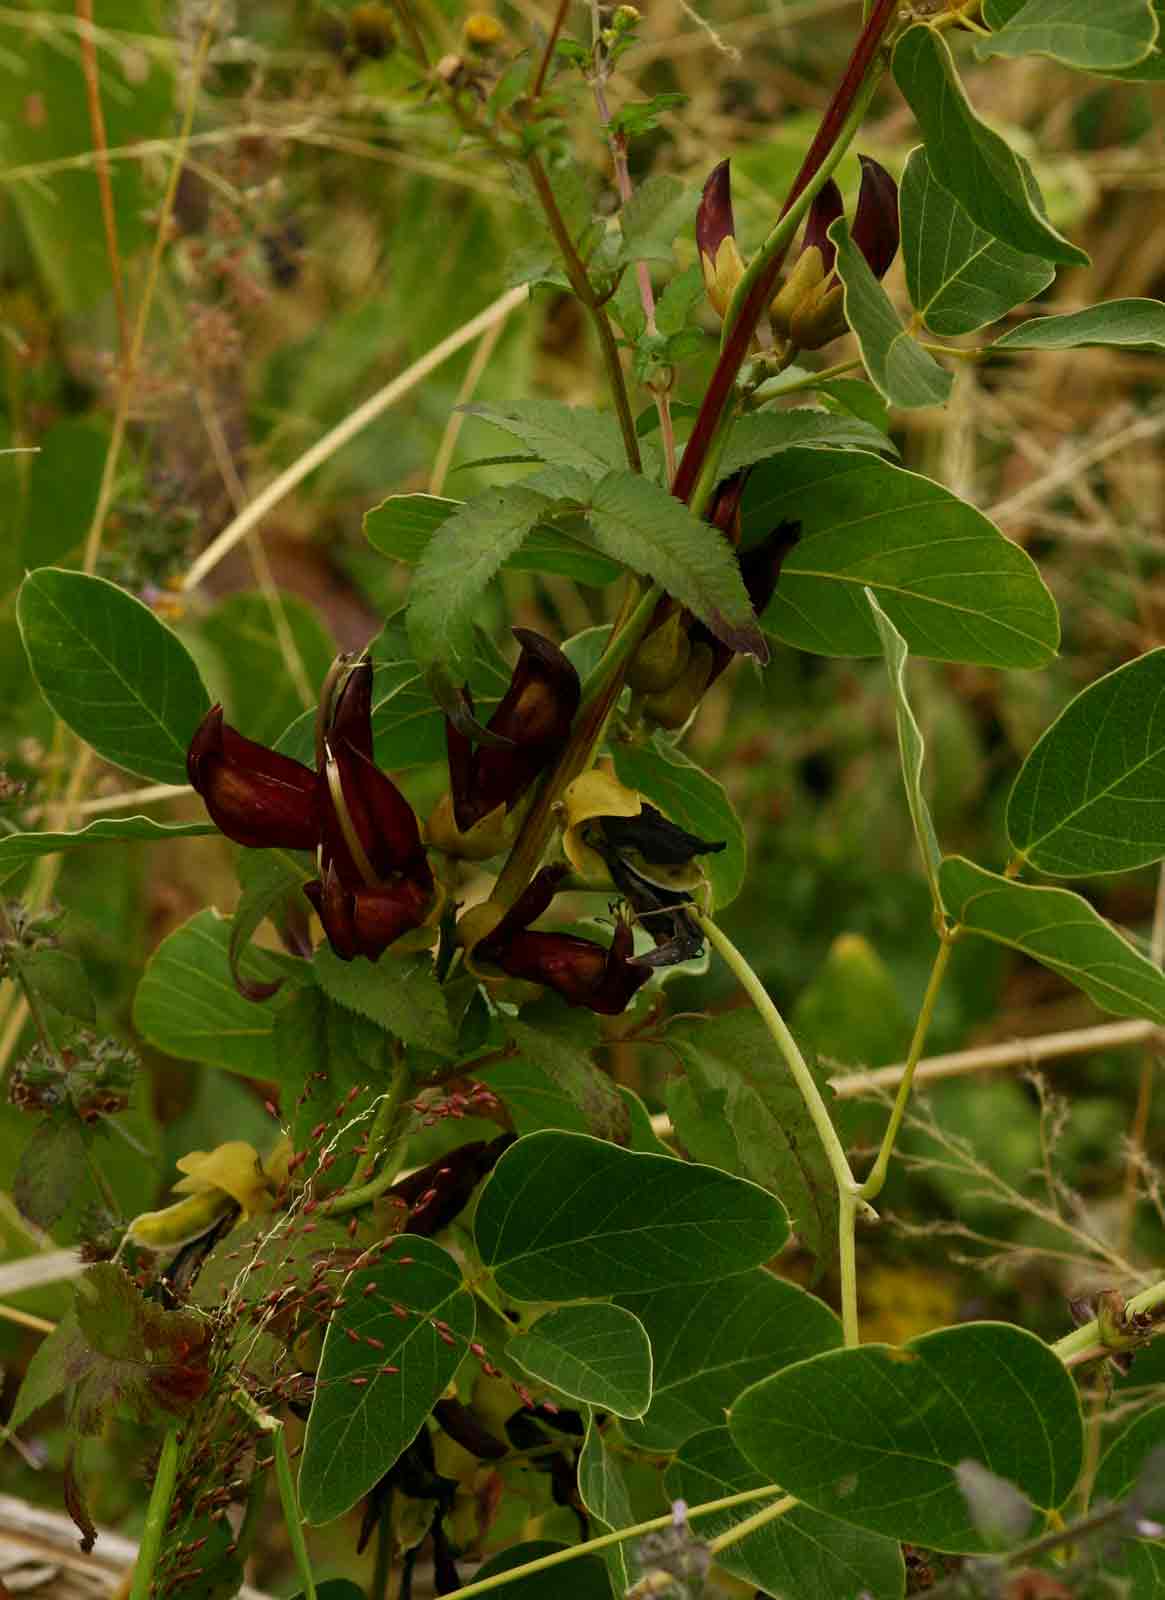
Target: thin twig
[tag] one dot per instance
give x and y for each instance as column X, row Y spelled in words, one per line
column 548, row 53
column 105, row 188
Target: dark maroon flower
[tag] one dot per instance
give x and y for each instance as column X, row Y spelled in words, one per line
column 823, row 213
column 876, row 229
column 531, row 725
column 254, row 795
column 716, row 238
column 581, row 971
column 375, row 882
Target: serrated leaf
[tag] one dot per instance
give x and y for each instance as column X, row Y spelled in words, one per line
column 959, row 277
column 898, row 366
column 595, row 1353
column 952, row 585
column 46, row 1375
column 1127, row 324
column 711, row 1342
column 567, row 1064
column 679, row 298
column 760, row 434
column 357, row 1430
column 1059, row 930
column 17, row 849
column 639, row 523
column 403, row 525
column 660, row 208
column 112, row 672
column 187, row 1005
column 990, row 180
column 566, row 1217
column 1079, row 33
column 694, row 800
column 399, row 994
column 742, row 1091
column 873, row 1435
column 460, row 561
column 800, row 1554
column 561, row 435
column 1090, row 797
column 911, row 748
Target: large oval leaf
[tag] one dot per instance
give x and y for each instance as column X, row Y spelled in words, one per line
column 1128, row 324
column 1059, row 930
column 380, row 1372
column 873, row 1435
column 567, row 1217
column 598, row 1353
column 1091, row 795
column 802, row 1554
column 111, row 671
column 1080, row 33
column 711, row 1342
column 952, row 585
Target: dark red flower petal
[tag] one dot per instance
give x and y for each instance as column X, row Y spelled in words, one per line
column 256, row 796
column 382, row 819
column 365, row 921
column 351, row 720
column 714, row 219
column 876, row 229
column 823, row 213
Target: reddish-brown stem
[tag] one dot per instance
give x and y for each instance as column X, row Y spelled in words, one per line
column 736, row 345
column 548, row 53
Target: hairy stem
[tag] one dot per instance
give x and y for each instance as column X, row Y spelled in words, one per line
column 384, row 1144
column 759, row 1519
column 157, row 1515
column 874, row 1183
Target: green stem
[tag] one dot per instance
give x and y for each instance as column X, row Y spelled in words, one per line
column 775, row 389
column 877, row 1178
column 847, row 1259
column 291, row 1516
column 581, row 284
column 385, row 1133
column 621, row 646
column 157, row 1515
column 1073, row 1345
column 759, row 1519
column 604, row 1541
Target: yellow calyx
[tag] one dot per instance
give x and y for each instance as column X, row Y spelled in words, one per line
column 722, row 275
column 595, row 794
column 489, row 836
column 799, row 288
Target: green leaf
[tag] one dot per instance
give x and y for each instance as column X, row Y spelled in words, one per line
column 873, row 1435
column 119, row 678
column 710, row 1342
column 582, row 1579
column 260, row 694
column 18, row 849
column 46, row 1375
column 1091, row 795
column 694, row 800
column 959, row 277
column 402, row 526
column 1123, row 1461
column 566, row 1217
column 561, row 435
column 399, row 994
column 759, row 434
column 641, row 524
column 673, row 313
column 357, row 1430
column 267, row 879
column 800, row 1554
column 1128, row 324
column 1080, row 33
column 603, row 1491
column 1059, row 930
column 952, row 585
column 465, row 553
column 59, row 977
column 993, row 184
column 659, row 209
column 855, row 397
column 1151, row 69
column 900, row 368
column 596, row 1353
column 187, row 1005
column 64, row 481
column 911, row 749
column 741, row 1091
column 567, row 1064
column 53, row 1167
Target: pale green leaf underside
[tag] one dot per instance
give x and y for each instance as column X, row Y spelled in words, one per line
column 595, row 1353
column 873, row 1434
column 1128, row 324
column 899, row 367
column 113, row 673
column 992, row 182
column 1060, row 931
column 1091, row 795
column 911, row 748
column 760, row 434
column 960, row 278
column 1096, row 35
column 17, row 849
column 952, row 585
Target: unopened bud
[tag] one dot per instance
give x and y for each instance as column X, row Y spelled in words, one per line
column 720, row 257
column 674, row 707
column 482, row 30
column 662, row 657
column 803, row 283
column 819, row 319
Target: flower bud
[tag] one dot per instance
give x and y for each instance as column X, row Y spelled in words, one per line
column 482, row 30
column 256, row 796
column 803, row 283
column 876, row 227
column 662, row 656
column 716, row 239
column 673, row 708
